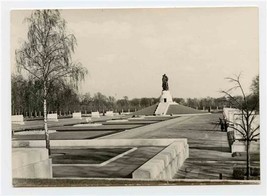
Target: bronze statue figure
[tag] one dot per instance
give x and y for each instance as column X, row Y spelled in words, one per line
column 165, row 85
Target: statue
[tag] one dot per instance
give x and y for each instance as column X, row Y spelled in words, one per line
column 165, row 85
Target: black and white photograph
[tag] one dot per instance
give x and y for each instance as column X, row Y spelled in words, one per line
column 108, row 97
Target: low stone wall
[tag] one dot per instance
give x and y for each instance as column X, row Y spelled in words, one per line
column 31, row 163
column 165, row 164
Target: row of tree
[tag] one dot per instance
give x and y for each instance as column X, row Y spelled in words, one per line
column 27, row 99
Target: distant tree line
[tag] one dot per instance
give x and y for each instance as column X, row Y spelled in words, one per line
column 27, row 100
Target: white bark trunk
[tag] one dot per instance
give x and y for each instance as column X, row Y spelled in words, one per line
column 47, row 140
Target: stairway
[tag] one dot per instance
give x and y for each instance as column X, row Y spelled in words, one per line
column 162, row 109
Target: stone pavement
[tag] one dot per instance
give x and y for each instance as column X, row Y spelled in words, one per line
column 209, row 153
column 120, row 168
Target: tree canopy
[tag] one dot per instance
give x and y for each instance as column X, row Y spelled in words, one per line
column 46, row 55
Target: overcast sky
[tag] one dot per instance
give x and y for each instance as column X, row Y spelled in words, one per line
column 126, row 51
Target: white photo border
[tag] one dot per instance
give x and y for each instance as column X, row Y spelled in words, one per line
column 5, row 98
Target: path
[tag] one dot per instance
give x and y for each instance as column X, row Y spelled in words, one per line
column 209, row 151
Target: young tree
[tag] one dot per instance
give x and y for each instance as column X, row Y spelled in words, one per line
column 46, row 55
column 247, row 116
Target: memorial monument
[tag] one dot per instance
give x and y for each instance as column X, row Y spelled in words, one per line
column 165, row 95
column 165, row 98
column 166, row 105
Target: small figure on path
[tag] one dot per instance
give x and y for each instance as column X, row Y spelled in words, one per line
column 165, row 85
column 225, row 125
column 221, row 124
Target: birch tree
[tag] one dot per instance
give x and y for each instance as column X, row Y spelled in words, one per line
column 46, row 54
column 247, row 106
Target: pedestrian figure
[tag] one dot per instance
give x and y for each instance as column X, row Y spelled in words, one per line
column 225, row 125
column 221, row 124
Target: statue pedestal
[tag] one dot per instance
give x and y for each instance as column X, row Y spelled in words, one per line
column 165, row 102
column 165, row 97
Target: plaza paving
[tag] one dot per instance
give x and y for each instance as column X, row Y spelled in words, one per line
column 209, row 152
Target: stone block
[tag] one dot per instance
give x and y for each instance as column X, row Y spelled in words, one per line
column 31, row 163
column 228, row 113
column 144, row 172
column 166, row 156
column 77, row 115
column 168, row 172
column 174, row 165
column 17, row 119
column 165, row 164
column 52, row 117
column 41, row 169
column 95, row 115
column 109, row 113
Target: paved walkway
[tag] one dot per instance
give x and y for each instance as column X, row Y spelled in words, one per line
column 209, row 151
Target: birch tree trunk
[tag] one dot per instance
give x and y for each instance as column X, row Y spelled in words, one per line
column 47, row 140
